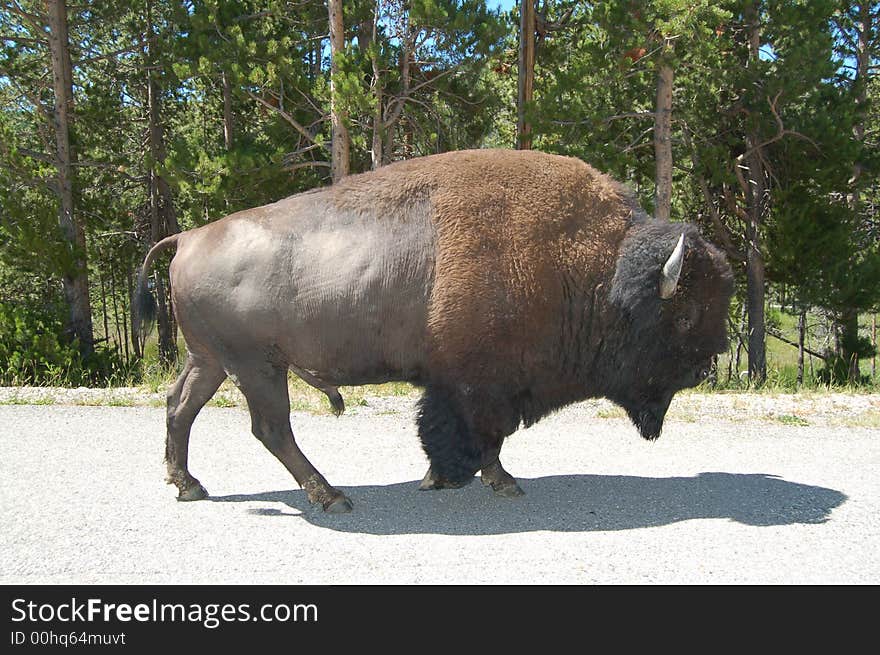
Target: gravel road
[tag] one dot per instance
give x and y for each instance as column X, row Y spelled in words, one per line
column 738, row 489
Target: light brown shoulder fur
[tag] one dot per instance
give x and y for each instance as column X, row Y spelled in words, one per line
column 513, row 228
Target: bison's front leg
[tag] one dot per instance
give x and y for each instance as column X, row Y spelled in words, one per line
column 462, row 432
column 447, row 440
column 433, row 481
column 265, row 389
column 493, row 475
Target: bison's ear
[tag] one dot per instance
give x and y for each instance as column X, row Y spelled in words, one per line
column 671, row 270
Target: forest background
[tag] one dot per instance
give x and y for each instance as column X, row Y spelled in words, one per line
column 122, row 122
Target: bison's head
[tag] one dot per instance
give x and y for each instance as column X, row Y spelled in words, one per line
column 669, row 300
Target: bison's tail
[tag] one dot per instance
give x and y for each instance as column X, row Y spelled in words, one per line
column 143, row 305
column 450, row 445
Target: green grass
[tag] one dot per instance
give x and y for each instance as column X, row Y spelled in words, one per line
column 15, row 399
column 222, row 400
column 782, row 365
column 789, row 419
column 113, row 401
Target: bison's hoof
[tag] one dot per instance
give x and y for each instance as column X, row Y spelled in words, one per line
column 502, row 482
column 339, row 505
column 193, row 492
column 431, row 483
column 508, row 490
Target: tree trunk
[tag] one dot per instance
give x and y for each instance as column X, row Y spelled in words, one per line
column 116, row 318
column 339, row 163
column 739, row 337
column 848, row 344
column 123, row 339
column 874, row 343
column 754, row 192
column 663, row 143
column 863, row 61
column 76, row 279
column 730, row 352
column 849, row 325
column 136, row 345
column 408, row 148
column 162, row 218
column 388, row 147
column 376, row 154
column 376, row 157
column 228, row 125
column 317, row 63
column 802, row 333
column 526, row 77
column 394, row 107
column 106, row 321
column 755, row 302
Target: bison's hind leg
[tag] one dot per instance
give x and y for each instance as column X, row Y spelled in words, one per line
column 200, row 378
column 264, row 386
column 447, row 440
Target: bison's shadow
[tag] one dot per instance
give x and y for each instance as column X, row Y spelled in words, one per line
column 563, row 503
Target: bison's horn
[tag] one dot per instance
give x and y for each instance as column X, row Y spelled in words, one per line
column 671, row 270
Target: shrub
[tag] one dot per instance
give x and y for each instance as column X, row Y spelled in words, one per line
column 33, row 351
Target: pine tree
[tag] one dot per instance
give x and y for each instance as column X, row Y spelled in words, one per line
column 36, row 38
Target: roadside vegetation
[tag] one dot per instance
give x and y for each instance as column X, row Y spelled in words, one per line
column 122, row 123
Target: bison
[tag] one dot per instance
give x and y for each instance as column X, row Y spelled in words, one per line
column 506, row 284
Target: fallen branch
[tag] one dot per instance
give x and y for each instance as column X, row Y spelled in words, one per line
column 776, row 335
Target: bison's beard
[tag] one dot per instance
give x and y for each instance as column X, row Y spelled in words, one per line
column 648, row 417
